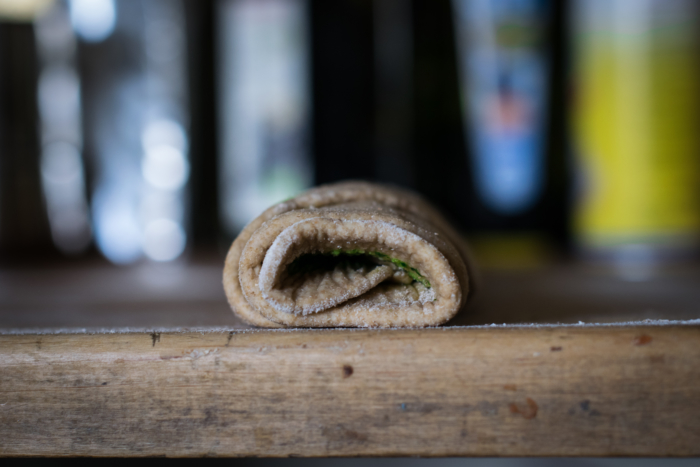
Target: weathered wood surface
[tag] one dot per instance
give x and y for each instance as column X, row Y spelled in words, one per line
column 585, row 391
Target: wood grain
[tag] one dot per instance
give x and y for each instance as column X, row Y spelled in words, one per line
column 582, row 391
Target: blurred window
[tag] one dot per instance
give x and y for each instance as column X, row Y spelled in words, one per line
column 264, row 106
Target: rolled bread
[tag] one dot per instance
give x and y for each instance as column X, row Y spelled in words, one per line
column 350, row 254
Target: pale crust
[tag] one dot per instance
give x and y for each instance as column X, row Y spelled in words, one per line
column 348, row 216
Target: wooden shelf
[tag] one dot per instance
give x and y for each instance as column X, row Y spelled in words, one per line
column 224, row 390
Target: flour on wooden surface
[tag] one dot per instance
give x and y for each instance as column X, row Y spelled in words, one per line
column 235, row 330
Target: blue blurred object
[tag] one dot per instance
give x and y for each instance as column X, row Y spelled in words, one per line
column 503, row 82
column 137, row 120
column 93, row 20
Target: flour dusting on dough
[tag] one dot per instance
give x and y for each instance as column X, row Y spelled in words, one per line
column 399, row 264
column 316, row 291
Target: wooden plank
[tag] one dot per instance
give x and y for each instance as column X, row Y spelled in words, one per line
column 506, row 391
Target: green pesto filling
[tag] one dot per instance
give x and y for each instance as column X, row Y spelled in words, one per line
column 308, row 263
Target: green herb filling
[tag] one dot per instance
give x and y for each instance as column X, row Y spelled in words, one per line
column 310, row 262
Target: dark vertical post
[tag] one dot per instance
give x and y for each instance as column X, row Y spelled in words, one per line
column 393, row 67
column 343, row 89
column 557, row 202
column 24, row 229
column 201, row 53
column 441, row 160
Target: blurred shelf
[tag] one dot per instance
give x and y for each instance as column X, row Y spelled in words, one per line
column 149, row 361
column 163, row 297
column 108, row 297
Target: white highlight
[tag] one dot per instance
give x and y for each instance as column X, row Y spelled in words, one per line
column 165, row 164
column 61, row 164
column 117, row 228
column 59, row 94
column 93, row 20
column 164, row 240
column 63, row 184
column 165, row 167
column 164, row 132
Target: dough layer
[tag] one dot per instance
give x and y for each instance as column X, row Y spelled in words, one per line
column 351, row 254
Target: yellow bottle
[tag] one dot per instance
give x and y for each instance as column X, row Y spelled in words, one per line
column 637, row 114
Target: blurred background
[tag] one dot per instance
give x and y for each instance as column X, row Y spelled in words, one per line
column 154, row 130
column 147, row 133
